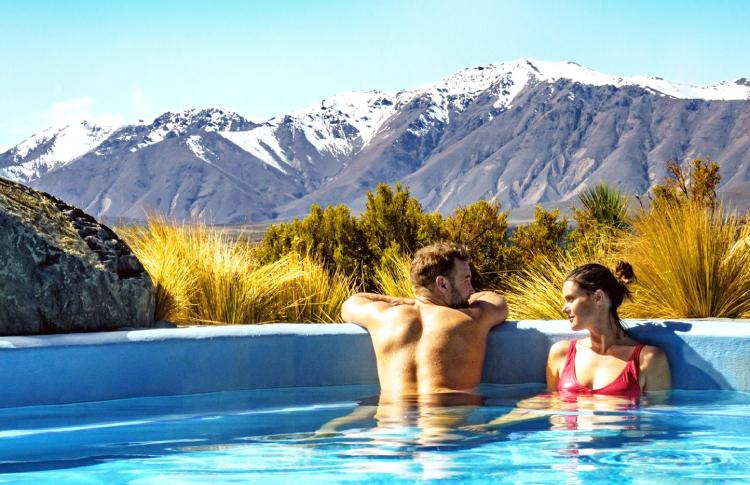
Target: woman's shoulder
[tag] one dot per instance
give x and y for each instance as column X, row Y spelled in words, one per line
column 559, row 349
column 651, row 354
column 654, row 369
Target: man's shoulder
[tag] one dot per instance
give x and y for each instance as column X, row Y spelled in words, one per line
column 369, row 309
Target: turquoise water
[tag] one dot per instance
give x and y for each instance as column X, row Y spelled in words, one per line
column 275, row 436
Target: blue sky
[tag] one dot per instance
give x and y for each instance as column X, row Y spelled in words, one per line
column 66, row 60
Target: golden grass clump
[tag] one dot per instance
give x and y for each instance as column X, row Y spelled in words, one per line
column 307, row 292
column 535, row 291
column 689, row 262
column 393, row 276
column 201, row 276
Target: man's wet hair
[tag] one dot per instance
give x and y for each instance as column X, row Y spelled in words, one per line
column 436, row 260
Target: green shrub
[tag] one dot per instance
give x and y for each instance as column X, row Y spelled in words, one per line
column 545, row 235
column 394, row 221
column 482, row 227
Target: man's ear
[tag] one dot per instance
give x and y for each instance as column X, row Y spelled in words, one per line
column 440, row 282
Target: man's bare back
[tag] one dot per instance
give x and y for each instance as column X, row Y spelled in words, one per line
column 424, row 345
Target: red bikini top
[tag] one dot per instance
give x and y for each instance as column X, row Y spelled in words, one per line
column 626, row 384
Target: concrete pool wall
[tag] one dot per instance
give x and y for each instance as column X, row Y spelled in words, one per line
column 54, row 369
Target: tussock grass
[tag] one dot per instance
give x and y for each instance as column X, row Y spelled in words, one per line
column 690, row 262
column 535, row 292
column 393, row 276
column 203, row 277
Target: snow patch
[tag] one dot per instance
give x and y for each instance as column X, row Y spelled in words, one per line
column 345, row 121
column 194, row 144
column 260, row 142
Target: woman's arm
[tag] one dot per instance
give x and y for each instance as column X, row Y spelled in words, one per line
column 555, row 363
column 654, row 368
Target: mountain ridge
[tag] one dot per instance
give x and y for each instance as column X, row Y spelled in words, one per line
column 522, row 132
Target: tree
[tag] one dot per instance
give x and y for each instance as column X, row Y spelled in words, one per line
column 392, row 224
column 331, row 236
column 544, row 235
column 482, row 227
column 395, row 220
column 697, row 185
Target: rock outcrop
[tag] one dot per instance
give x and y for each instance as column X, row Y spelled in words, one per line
column 62, row 271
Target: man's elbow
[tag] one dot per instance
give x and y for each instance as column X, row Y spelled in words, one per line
column 352, row 307
column 347, row 309
column 501, row 310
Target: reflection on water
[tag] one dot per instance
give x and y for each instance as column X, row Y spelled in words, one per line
column 428, row 437
column 509, row 434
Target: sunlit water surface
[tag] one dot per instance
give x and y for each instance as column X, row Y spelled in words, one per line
column 340, row 434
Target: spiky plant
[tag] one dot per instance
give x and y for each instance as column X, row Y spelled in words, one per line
column 689, row 262
column 605, row 205
column 393, row 275
column 534, row 292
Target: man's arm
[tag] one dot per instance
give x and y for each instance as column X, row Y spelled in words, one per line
column 360, row 413
column 366, row 309
column 492, row 308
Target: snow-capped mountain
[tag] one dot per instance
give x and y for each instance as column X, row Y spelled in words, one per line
column 525, row 132
column 50, row 149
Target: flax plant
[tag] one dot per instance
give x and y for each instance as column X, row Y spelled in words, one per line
column 689, row 262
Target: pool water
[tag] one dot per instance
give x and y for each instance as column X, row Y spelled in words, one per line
column 341, row 434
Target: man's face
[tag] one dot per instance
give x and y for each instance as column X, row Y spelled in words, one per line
column 459, row 287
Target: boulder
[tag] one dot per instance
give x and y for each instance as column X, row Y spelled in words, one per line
column 62, row 271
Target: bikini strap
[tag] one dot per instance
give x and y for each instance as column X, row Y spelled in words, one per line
column 636, row 355
column 571, row 352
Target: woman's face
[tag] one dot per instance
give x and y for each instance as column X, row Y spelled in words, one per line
column 579, row 306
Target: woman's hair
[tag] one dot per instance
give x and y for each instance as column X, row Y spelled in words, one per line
column 591, row 277
column 435, row 260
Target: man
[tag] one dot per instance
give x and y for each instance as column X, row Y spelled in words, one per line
column 433, row 344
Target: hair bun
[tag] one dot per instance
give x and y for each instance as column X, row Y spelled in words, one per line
column 624, row 272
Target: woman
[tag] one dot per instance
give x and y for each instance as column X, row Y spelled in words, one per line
column 608, row 361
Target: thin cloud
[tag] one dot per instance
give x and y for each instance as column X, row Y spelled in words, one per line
column 141, row 104
column 76, row 110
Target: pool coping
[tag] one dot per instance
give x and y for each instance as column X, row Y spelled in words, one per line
column 54, row 369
